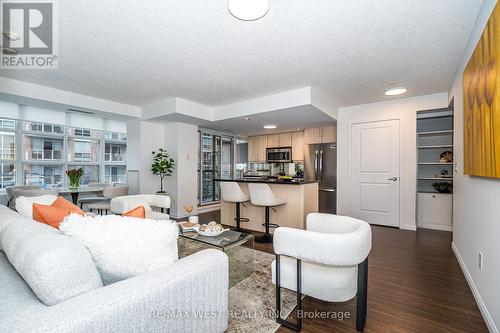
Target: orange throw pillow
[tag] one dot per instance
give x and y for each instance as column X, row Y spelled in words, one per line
column 63, row 203
column 139, row 212
column 51, row 215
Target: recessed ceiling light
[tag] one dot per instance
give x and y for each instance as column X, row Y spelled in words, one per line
column 298, row 128
column 270, row 126
column 248, row 10
column 247, row 118
column 395, row 91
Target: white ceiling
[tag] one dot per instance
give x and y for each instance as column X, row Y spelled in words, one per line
column 287, row 120
column 137, row 51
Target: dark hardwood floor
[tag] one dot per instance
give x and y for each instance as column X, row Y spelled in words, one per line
column 415, row 285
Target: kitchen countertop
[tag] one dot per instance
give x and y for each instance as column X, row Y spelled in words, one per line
column 267, row 181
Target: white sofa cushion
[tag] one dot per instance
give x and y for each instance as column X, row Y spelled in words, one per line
column 123, row 247
column 55, row 267
column 24, row 205
column 8, row 216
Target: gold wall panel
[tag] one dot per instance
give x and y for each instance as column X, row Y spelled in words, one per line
column 482, row 104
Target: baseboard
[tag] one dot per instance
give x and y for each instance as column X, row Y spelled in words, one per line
column 410, row 227
column 482, row 307
column 434, row 226
column 207, row 208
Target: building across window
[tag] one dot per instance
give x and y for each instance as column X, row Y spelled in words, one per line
column 48, row 150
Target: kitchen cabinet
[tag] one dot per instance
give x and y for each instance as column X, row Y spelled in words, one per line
column 273, row 140
column 312, row 136
column 257, row 146
column 329, row 134
column 285, row 139
column 261, row 148
column 252, row 149
column 297, row 146
column 320, row 135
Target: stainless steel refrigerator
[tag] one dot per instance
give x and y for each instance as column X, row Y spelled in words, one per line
column 321, row 164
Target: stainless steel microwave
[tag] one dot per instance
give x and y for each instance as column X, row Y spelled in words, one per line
column 279, row 155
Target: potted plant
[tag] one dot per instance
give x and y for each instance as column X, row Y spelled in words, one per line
column 163, row 166
column 74, row 176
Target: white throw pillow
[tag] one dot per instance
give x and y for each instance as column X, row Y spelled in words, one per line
column 123, row 247
column 24, row 205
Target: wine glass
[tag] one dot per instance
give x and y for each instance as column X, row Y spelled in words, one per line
column 188, row 209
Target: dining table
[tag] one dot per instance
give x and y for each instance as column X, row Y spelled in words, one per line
column 75, row 192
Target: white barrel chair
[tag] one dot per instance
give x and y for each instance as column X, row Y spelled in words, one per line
column 327, row 261
column 123, row 204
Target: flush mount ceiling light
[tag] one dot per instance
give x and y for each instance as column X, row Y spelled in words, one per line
column 248, row 10
column 270, row 126
column 395, row 91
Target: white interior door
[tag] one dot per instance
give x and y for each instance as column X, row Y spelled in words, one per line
column 374, row 183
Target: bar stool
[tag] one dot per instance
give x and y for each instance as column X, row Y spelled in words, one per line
column 262, row 195
column 231, row 192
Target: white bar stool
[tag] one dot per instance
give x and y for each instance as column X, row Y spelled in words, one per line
column 231, row 192
column 262, row 195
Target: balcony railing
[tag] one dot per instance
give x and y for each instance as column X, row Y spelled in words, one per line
column 120, row 179
column 82, row 157
column 43, row 155
column 7, row 180
column 44, row 181
column 115, row 157
column 7, row 153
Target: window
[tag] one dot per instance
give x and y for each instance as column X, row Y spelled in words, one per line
column 46, row 176
column 115, row 153
column 116, row 174
column 90, row 173
column 42, row 149
column 8, row 124
column 48, row 150
column 7, row 146
column 7, row 174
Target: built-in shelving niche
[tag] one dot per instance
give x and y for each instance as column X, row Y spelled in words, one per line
column 434, row 136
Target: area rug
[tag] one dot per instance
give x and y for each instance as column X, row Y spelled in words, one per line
column 252, row 300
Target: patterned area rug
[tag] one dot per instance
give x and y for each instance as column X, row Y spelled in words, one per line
column 252, row 300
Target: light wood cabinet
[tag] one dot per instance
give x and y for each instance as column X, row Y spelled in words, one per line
column 312, row 136
column 273, row 140
column 297, row 146
column 252, row 149
column 285, row 139
column 261, row 148
column 329, row 134
column 320, row 135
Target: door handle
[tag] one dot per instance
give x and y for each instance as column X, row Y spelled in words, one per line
column 316, row 166
column 394, row 179
column 320, row 165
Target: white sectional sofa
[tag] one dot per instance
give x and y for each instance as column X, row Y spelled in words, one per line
column 49, row 283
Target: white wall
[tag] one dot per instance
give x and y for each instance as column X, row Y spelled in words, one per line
column 142, row 139
column 181, row 141
column 404, row 109
column 476, row 209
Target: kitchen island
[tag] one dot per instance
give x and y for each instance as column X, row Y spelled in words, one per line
column 301, row 199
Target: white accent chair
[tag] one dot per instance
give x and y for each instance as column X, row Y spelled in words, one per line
column 262, row 195
column 123, row 204
column 328, row 261
column 232, row 192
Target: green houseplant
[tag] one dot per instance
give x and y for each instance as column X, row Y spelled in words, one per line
column 163, row 166
column 74, row 176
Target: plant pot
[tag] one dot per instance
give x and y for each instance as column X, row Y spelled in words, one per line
column 161, row 192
